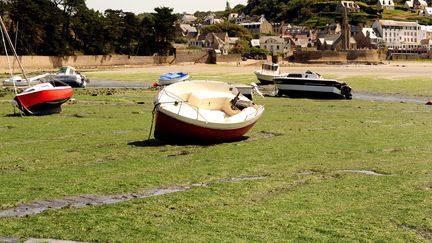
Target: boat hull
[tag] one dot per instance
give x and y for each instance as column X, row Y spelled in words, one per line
column 301, row 87
column 43, row 102
column 171, row 129
column 266, row 78
column 167, row 81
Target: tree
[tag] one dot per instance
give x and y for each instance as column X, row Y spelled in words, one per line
column 164, row 29
column 234, row 30
column 227, row 7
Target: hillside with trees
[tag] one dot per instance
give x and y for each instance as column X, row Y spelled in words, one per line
column 68, row 27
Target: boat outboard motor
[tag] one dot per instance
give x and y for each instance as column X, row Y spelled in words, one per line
column 237, row 104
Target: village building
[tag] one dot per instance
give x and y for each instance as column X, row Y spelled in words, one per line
column 186, row 30
column 257, row 25
column 426, row 12
column 220, row 42
column 212, row 19
column 350, row 6
column 386, row 5
column 398, row 34
column 416, row 4
column 276, row 28
column 367, row 39
column 255, row 43
column 293, row 30
column 426, row 44
column 188, row 19
column 232, row 17
column 334, row 42
column 277, row 45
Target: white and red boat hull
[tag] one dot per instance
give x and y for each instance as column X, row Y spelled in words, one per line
column 43, row 99
column 168, row 128
column 203, row 112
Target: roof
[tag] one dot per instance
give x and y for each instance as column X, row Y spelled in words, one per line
column 410, row 3
column 384, row 22
column 188, row 28
column 372, row 33
column 255, row 42
column 278, row 39
column 187, row 18
column 386, row 2
column 221, row 35
column 428, row 10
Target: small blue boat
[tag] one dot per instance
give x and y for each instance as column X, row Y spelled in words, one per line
column 173, row 77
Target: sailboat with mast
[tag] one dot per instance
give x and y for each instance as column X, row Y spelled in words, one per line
column 39, row 99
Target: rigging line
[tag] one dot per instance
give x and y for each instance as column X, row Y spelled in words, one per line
column 7, row 57
column 13, row 49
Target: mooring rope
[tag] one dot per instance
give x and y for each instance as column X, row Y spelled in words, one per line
column 153, row 118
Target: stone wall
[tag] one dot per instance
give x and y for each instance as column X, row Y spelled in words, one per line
column 54, row 62
column 194, row 56
column 32, row 63
column 229, row 58
column 337, row 56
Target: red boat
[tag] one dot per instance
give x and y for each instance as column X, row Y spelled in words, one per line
column 203, row 112
column 43, row 99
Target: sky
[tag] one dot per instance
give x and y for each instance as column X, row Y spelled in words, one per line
column 180, row 6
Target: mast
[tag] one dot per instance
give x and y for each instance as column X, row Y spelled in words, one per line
column 13, row 49
column 7, row 57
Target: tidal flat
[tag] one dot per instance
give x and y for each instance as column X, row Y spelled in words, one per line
column 327, row 170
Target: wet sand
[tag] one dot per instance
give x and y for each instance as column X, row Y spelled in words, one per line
column 388, row 69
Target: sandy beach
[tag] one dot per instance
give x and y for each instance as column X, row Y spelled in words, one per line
column 387, row 69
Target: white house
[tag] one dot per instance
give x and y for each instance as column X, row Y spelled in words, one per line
column 427, row 12
column 416, row 4
column 398, row 34
column 386, row 4
column 275, row 44
column 371, row 35
column 425, row 32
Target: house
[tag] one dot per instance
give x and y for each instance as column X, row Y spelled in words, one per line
column 334, row 42
column 386, row 5
column 349, row 6
column 276, row 28
column 398, row 34
column 197, row 42
column 277, row 45
column 218, row 41
column 212, row 19
column 332, row 29
column 426, row 12
column 367, row 38
column 293, row 30
column 425, row 32
column 416, row 4
column 426, row 44
column 255, row 43
column 232, row 17
column 257, row 25
column 186, row 30
column 188, row 19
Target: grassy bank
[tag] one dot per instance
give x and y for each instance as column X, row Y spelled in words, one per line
column 95, row 147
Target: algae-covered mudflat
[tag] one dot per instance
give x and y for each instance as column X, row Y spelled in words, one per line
column 310, row 170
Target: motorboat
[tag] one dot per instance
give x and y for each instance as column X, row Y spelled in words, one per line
column 19, row 81
column 40, row 99
column 173, row 77
column 311, row 84
column 268, row 72
column 203, row 112
column 70, row 76
column 44, row 98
